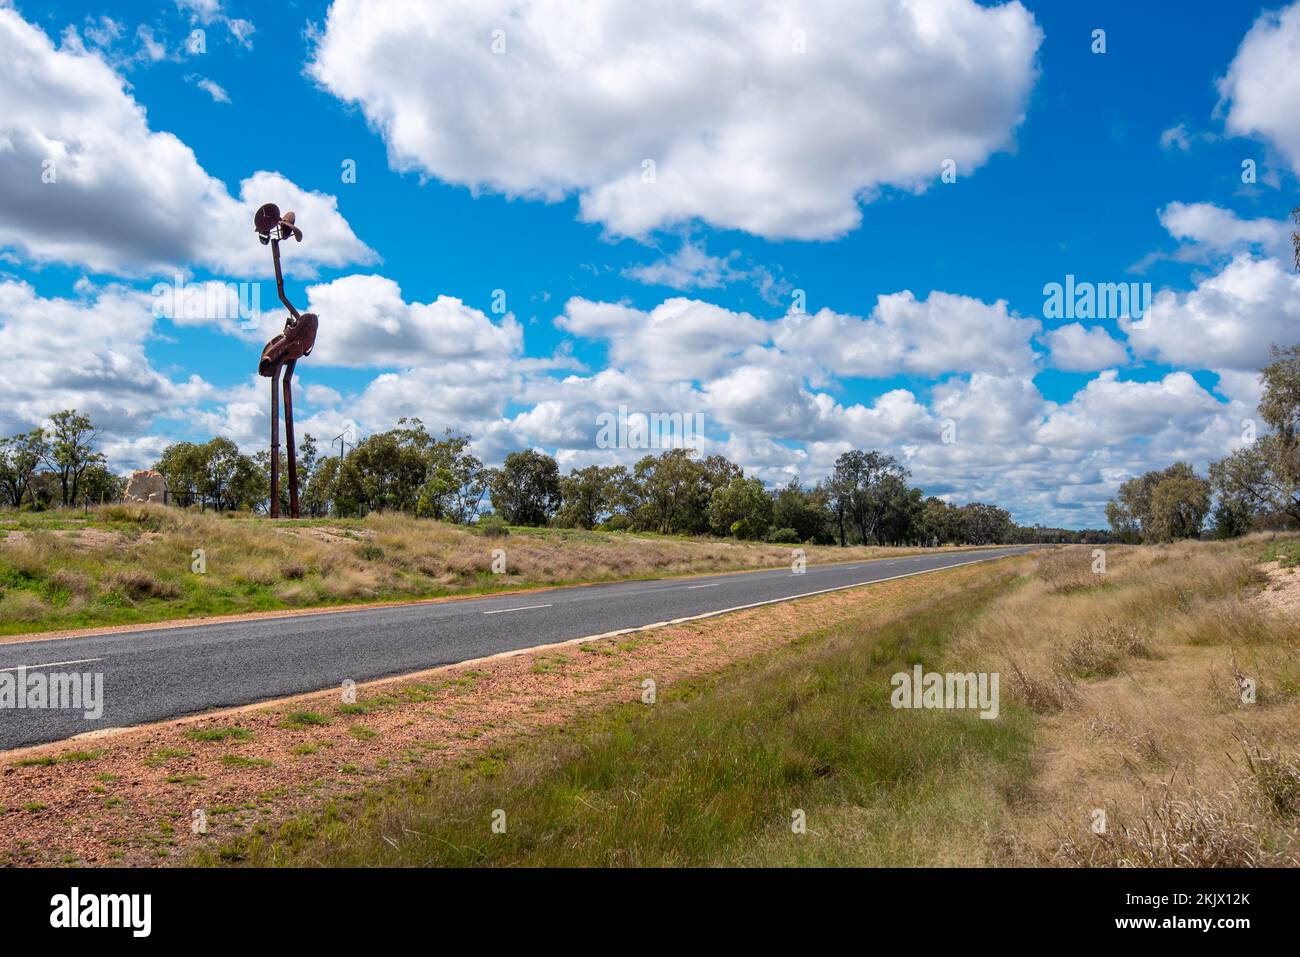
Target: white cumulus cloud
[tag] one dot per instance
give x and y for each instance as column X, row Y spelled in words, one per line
column 365, row 322
column 905, row 335
column 1077, row 348
column 88, row 182
column 1228, row 321
column 1262, row 86
column 768, row 117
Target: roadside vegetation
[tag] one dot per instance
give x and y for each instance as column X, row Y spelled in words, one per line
column 1122, row 692
column 712, row 773
column 1256, row 488
column 1168, row 696
column 124, row 564
column 326, row 747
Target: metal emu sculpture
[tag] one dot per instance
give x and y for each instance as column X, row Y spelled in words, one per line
column 283, row 351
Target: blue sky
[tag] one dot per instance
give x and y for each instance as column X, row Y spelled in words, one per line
column 795, row 151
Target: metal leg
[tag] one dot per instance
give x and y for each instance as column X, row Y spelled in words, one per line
column 275, row 442
column 290, row 449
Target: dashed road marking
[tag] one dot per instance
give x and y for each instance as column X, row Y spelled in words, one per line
column 501, row 611
column 49, row 664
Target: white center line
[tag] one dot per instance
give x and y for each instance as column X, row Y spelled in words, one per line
column 711, row 585
column 500, row 611
column 50, row 664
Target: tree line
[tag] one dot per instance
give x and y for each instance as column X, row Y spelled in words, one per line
column 1255, row 488
column 866, row 498
column 58, row 465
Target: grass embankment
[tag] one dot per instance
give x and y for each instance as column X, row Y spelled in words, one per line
column 127, row 564
column 1122, row 692
column 1168, row 697
column 715, row 771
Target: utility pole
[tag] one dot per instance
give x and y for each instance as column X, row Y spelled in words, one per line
column 341, row 439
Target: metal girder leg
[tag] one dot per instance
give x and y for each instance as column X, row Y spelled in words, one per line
column 291, row 450
column 275, row 442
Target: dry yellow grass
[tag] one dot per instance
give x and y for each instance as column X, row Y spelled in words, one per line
column 1139, row 676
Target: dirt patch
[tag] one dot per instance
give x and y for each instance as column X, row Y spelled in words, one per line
column 129, row 798
column 1283, row 590
column 88, row 537
column 328, row 534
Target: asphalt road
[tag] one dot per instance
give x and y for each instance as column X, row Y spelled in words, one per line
column 164, row 673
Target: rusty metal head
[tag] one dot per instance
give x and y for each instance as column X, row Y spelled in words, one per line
column 270, row 225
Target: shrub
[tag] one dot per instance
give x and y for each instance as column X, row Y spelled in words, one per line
column 784, row 536
column 1067, row 570
column 492, row 525
column 140, row 584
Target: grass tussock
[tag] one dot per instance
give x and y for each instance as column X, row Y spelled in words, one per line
column 1101, row 651
column 1277, row 781
column 129, row 563
column 1250, row 824
column 1194, row 830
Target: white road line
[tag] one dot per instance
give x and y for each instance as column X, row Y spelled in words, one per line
column 713, row 614
column 501, row 611
column 711, row 585
column 50, row 664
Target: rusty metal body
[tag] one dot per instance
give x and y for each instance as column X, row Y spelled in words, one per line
column 295, row 342
column 283, row 353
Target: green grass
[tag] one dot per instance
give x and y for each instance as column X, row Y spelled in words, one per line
column 303, row 719
column 369, row 705
column 712, row 774
column 242, row 761
column 220, row 733
column 82, row 755
column 186, row 779
column 49, row 759
column 1286, row 552
column 163, row 755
